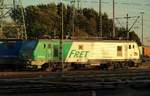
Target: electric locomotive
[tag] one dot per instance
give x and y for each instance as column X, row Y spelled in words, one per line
column 71, row 54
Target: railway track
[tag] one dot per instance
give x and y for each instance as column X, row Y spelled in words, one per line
column 78, row 73
column 30, row 82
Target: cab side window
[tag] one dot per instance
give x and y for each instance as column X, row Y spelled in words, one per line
column 119, row 50
column 129, row 46
column 44, row 46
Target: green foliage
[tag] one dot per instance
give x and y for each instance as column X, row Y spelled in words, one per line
column 133, row 36
column 47, row 20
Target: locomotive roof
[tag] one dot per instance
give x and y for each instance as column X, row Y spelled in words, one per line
column 82, row 40
column 88, row 40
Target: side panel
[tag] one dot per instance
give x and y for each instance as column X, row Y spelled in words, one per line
column 79, row 52
column 43, row 50
column 100, row 51
column 66, row 48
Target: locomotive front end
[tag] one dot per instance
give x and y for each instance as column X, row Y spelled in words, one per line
column 26, row 54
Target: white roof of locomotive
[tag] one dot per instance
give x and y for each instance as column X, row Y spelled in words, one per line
column 109, row 41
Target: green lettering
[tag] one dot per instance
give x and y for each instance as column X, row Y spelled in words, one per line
column 77, row 54
column 82, row 53
column 72, row 52
column 86, row 53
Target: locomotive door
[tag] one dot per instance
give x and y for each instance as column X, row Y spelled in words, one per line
column 49, row 52
column 126, row 51
column 56, row 52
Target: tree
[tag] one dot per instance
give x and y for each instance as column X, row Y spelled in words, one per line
column 47, row 20
column 133, row 36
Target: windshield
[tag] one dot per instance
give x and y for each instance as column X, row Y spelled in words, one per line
column 29, row 45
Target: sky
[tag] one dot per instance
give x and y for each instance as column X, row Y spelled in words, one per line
column 122, row 7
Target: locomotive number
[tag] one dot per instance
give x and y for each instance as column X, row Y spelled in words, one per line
column 78, row 54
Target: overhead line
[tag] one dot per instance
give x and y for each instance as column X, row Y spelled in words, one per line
column 105, row 2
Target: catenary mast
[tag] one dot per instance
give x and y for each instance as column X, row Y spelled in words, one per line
column 6, row 7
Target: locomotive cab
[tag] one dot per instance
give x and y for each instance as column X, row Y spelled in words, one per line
column 35, row 53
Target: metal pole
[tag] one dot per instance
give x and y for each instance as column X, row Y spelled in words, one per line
column 142, row 37
column 1, row 18
column 78, row 5
column 142, row 28
column 79, row 13
column 127, row 26
column 24, row 33
column 73, row 19
column 100, row 19
column 61, row 41
column 114, row 34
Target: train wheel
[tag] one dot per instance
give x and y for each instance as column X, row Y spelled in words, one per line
column 104, row 66
column 115, row 65
column 131, row 64
column 47, row 67
column 136, row 64
column 67, row 67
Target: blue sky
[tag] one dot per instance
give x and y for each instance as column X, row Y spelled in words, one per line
column 122, row 7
